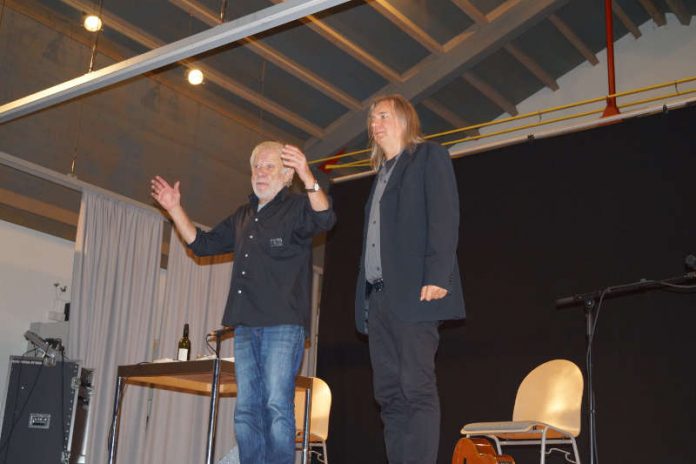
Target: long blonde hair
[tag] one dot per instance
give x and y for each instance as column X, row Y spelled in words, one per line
column 408, row 116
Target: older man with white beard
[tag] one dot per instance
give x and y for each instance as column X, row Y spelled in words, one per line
column 269, row 298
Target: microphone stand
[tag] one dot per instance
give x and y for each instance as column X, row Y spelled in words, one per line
column 590, row 302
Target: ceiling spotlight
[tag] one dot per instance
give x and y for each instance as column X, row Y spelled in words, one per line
column 93, row 23
column 195, row 76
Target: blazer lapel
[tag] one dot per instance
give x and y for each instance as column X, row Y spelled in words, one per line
column 395, row 179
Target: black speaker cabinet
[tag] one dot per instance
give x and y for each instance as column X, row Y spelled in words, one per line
column 46, row 412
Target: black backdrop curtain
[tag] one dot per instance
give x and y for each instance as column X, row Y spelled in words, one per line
column 541, row 220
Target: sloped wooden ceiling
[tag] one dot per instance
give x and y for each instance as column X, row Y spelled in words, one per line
column 308, row 82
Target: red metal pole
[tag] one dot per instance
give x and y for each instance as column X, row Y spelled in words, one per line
column 611, row 108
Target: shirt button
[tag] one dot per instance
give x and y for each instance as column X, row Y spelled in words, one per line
column 239, row 292
column 246, row 255
column 256, row 219
column 243, row 272
column 373, row 245
column 251, row 237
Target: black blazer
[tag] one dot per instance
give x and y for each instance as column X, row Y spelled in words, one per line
column 419, row 215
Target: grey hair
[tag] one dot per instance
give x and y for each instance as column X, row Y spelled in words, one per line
column 273, row 146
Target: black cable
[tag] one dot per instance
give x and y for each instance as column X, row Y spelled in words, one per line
column 21, row 411
column 62, row 397
column 588, row 363
column 590, row 340
column 207, row 342
column 590, row 391
column 14, row 421
column 677, row 286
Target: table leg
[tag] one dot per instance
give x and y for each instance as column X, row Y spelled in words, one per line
column 212, row 418
column 113, row 434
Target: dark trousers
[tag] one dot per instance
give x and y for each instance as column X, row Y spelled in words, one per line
column 403, row 364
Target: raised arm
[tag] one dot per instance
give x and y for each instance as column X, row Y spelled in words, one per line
column 169, row 197
column 294, row 158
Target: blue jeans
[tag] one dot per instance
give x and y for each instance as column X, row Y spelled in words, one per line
column 267, row 360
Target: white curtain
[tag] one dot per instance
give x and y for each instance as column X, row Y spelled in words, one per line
column 113, row 311
column 195, row 293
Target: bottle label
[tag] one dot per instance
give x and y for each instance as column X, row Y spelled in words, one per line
column 183, row 354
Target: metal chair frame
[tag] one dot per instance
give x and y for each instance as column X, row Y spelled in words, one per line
column 522, row 425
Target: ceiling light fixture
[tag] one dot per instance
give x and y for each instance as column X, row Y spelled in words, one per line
column 93, row 23
column 195, row 76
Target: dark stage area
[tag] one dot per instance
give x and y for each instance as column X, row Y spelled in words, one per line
column 542, row 220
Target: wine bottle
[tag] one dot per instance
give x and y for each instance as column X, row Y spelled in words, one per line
column 184, row 346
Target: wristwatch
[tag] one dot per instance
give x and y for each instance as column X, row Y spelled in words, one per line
column 314, row 188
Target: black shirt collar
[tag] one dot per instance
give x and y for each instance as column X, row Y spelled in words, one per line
column 280, row 196
column 389, row 164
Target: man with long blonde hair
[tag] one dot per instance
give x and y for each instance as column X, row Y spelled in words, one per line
column 409, row 277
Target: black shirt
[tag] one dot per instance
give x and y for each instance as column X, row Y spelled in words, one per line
column 272, row 271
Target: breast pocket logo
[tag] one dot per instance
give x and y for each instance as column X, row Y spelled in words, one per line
column 276, row 242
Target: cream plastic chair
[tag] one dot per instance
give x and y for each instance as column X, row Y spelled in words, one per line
column 319, row 417
column 547, row 411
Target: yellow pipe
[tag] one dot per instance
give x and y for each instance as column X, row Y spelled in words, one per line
column 344, row 155
column 653, row 87
column 528, row 115
column 661, row 97
column 526, row 126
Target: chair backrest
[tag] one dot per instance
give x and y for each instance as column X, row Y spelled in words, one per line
column 551, row 393
column 321, row 408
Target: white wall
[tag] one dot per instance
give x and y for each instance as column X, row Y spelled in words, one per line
column 30, row 264
column 661, row 54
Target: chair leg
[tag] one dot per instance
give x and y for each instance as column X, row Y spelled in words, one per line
column 575, row 450
column 326, row 456
column 543, row 447
column 498, row 446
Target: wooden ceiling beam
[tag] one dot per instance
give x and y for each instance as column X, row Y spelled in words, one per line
column 657, row 16
column 123, row 27
column 401, row 21
column 490, row 93
column 625, row 19
column 452, row 43
column 524, row 59
column 511, row 20
column 503, row 9
column 681, row 12
column 446, row 114
column 273, row 56
column 475, row 14
column 37, row 207
column 471, row 11
column 532, row 66
column 573, row 38
column 34, row 10
column 342, row 42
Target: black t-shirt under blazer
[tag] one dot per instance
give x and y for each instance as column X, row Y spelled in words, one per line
column 272, row 271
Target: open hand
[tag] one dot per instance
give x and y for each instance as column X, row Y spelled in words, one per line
column 166, row 195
